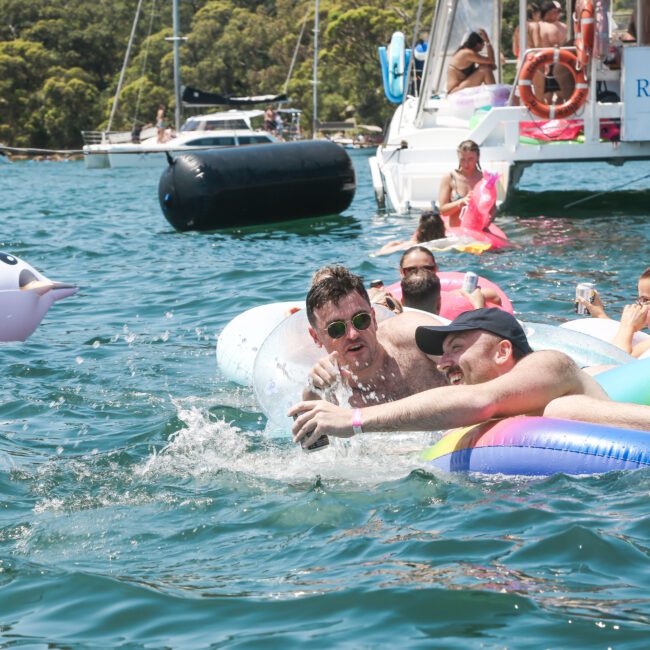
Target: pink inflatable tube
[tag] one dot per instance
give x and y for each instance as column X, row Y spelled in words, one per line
column 453, row 303
column 493, row 235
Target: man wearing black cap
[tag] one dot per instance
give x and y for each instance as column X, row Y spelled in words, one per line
column 493, row 373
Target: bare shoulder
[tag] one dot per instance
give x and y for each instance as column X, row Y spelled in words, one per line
column 400, row 329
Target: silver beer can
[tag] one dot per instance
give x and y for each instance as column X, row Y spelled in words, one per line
column 586, row 290
column 470, row 281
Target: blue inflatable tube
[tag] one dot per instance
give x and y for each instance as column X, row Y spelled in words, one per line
column 539, row 446
column 395, row 61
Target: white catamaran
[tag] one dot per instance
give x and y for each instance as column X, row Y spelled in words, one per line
column 426, row 128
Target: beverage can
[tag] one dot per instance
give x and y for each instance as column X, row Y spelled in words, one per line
column 470, row 281
column 587, row 291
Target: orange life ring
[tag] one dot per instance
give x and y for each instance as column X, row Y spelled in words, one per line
column 584, row 22
column 532, row 63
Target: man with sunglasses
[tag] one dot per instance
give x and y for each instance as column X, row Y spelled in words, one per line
column 372, row 362
column 492, row 372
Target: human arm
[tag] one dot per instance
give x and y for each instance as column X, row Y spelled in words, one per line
column 489, row 59
column 323, row 376
column 596, row 308
column 633, row 319
column 526, row 389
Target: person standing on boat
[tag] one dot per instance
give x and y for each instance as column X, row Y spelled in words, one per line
column 468, row 68
column 455, row 187
column 492, row 373
column 160, row 123
column 373, row 362
column 269, row 119
column 533, row 16
column 553, row 33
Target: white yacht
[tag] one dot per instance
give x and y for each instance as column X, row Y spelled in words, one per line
column 232, row 128
column 426, row 128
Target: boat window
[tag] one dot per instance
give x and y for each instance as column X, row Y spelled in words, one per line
column 222, row 125
column 254, row 139
column 223, row 141
column 191, row 125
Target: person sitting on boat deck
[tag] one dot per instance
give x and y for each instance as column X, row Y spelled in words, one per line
column 468, row 68
column 430, row 227
column 375, row 362
column 533, row 16
column 633, row 319
column 456, row 187
column 557, row 79
column 419, row 259
column 160, row 123
column 492, row 372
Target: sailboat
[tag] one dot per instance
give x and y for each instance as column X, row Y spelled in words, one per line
column 232, row 128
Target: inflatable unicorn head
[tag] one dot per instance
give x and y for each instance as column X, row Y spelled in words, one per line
column 25, row 297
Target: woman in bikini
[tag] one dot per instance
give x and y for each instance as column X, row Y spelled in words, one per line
column 455, row 187
column 467, row 67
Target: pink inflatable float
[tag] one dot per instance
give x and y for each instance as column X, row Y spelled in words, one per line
column 475, row 216
column 452, row 302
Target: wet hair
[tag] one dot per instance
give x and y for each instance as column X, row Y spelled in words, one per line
column 470, row 43
column 421, row 291
column 470, row 145
column 549, row 6
column 412, row 250
column 430, row 227
column 332, row 284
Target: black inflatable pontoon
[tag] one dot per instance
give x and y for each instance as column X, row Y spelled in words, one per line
column 256, row 184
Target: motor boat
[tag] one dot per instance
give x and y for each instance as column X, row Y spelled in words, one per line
column 610, row 103
column 233, row 128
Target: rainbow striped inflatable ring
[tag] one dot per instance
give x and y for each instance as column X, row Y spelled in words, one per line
column 539, row 446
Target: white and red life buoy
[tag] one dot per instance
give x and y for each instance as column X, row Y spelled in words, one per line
column 584, row 24
column 553, row 56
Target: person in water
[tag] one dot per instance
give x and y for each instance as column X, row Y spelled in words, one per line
column 430, row 228
column 633, row 319
column 421, row 290
column 375, row 362
column 455, row 187
column 468, row 68
column 420, row 260
column 492, row 373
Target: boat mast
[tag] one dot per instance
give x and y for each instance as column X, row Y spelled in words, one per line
column 176, row 38
column 314, row 124
column 124, row 65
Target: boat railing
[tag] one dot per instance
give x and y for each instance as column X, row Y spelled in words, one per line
column 115, row 137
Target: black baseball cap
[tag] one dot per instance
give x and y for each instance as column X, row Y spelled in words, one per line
column 429, row 338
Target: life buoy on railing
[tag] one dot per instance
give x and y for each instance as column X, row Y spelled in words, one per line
column 584, row 24
column 532, row 63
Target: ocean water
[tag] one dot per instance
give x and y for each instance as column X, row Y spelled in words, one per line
column 143, row 506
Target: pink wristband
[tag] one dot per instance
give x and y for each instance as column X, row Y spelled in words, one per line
column 356, row 421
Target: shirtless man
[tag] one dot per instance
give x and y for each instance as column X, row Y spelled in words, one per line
column 492, row 372
column 377, row 362
column 551, row 32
